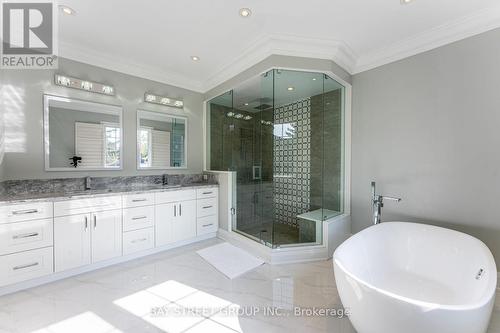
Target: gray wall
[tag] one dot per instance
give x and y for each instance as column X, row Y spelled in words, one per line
column 22, row 92
column 427, row 129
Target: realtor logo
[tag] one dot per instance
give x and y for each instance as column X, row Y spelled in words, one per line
column 28, row 35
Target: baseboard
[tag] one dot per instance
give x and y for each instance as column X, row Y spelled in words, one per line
column 279, row 256
column 85, row 269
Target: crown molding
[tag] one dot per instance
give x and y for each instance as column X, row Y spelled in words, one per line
column 444, row 34
column 298, row 46
column 99, row 59
column 287, row 45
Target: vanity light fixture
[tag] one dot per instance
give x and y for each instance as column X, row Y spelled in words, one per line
column 162, row 100
column 238, row 116
column 245, row 12
column 247, row 117
column 67, row 10
column 95, row 87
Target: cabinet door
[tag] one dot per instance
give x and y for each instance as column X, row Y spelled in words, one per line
column 164, row 216
column 106, row 235
column 71, row 241
column 184, row 224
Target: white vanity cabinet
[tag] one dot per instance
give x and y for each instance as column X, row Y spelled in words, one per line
column 72, row 241
column 175, row 216
column 85, row 238
column 26, row 241
column 74, row 235
column 207, row 209
column 138, row 222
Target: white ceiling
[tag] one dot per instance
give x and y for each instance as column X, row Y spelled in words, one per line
column 155, row 39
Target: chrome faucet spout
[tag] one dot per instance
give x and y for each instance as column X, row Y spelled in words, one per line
column 378, row 203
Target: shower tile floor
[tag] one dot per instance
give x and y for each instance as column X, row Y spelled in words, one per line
column 160, row 292
column 283, row 233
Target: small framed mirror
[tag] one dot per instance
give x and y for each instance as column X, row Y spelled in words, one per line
column 161, row 140
column 82, row 135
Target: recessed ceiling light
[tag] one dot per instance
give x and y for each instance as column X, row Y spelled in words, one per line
column 66, row 10
column 245, row 12
column 195, row 58
column 405, row 2
column 246, row 104
column 290, row 88
column 314, row 79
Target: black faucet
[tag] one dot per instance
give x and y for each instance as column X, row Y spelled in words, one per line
column 88, row 182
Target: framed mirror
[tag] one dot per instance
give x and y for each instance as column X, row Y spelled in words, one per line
column 161, row 140
column 82, row 135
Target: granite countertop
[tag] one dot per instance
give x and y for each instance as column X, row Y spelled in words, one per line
column 61, row 196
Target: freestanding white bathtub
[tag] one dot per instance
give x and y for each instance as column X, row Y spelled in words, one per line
column 398, row 277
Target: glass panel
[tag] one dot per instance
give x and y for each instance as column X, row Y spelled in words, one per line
column 297, row 169
column 282, row 132
column 249, row 105
column 220, row 110
column 332, row 154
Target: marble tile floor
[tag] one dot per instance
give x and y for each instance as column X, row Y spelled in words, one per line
column 177, row 291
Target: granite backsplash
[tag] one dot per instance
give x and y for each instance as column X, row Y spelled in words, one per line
column 65, row 185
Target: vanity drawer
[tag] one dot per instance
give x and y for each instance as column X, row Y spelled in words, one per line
column 174, row 195
column 22, row 236
column 206, row 225
column 26, row 211
column 138, row 218
column 206, row 207
column 26, row 265
column 87, row 205
column 138, row 240
column 137, row 200
column 203, row 193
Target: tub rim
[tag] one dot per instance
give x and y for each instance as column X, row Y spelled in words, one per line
column 491, row 287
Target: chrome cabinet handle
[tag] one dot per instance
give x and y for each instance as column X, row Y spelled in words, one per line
column 139, row 240
column 95, row 222
column 32, row 234
column 86, row 223
column 139, row 200
column 25, row 211
column 207, row 225
column 180, row 209
column 206, row 207
column 139, row 218
column 175, row 210
column 25, row 266
column 208, row 192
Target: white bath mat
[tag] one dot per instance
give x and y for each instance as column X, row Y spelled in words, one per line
column 229, row 260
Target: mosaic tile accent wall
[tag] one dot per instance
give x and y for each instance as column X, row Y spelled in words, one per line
column 292, row 161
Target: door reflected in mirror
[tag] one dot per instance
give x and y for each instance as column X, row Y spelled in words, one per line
column 81, row 135
column 161, row 140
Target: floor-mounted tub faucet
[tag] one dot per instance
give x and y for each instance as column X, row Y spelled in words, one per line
column 378, row 203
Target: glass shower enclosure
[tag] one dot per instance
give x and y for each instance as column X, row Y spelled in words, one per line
column 282, row 132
